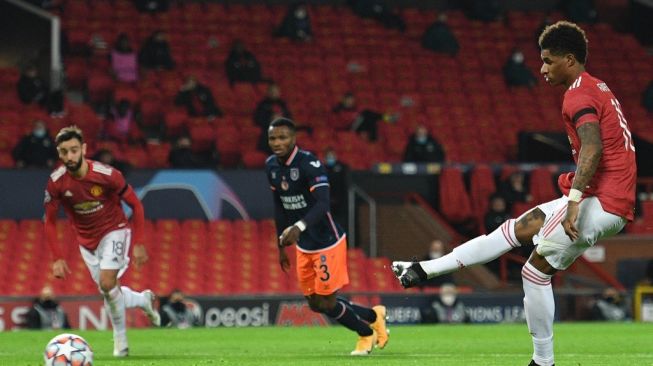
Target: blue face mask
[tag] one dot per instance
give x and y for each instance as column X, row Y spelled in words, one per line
column 330, row 160
column 421, row 139
column 40, row 132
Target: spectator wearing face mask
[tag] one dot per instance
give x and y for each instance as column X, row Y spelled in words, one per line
column 446, row 308
column 437, row 250
column 337, row 173
column 423, row 148
column 611, row 306
column 179, row 312
column 296, row 25
column 36, row 150
column 440, row 38
column 516, row 73
column 46, row 313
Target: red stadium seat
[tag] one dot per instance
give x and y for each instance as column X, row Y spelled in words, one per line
column 100, row 87
column 482, row 186
column 541, row 186
column 455, row 204
column 254, row 159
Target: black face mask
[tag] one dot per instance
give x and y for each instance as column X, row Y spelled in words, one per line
column 178, row 306
column 612, row 300
column 49, row 304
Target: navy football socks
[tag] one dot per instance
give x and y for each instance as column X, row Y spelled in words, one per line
column 364, row 313
column 344, row 315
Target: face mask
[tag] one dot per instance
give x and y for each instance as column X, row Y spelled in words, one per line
column 178, row 306
column 518, row 57
column 448, row 299
column 49, row 304
column 435, row 254
column 421, row 139
column 40, row 132
column 299, row 13
column 330, row 160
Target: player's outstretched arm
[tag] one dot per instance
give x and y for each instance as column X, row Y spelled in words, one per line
column 138, row 223
column 588, row 161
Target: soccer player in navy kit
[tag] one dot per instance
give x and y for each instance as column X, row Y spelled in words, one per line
column 301, row 198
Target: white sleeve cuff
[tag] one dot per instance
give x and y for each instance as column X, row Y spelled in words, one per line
column 301, row 225
column 574, row 195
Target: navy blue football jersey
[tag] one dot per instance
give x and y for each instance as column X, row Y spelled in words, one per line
column 292, row 183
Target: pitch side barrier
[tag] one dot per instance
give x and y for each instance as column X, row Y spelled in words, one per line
column 88, row 312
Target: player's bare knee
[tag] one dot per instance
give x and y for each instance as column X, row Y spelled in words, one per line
column 541, row 264
column 529, row 225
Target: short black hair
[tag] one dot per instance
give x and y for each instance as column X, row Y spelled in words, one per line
column 282, row 121
column 564, row 37
column 69, row 133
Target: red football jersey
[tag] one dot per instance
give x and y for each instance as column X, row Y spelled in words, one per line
column 589, row 99
column 93, row 203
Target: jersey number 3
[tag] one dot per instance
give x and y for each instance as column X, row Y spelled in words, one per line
column 628, row 138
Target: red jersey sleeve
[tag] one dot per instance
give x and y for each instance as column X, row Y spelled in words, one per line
column 138, row 214
column 580, row 108
column 51, row 203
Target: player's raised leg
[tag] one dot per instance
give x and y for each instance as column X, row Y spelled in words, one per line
column 482, row 249
column 143, row 300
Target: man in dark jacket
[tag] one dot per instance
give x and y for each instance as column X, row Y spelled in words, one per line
column 439, row 37
column 197, row 99
column 516, row 73
column 242, row 65
column 269, row 108
column 31, row 88
column 46, row 313
column 155, row 53
column 423, row 148
column 36, row 149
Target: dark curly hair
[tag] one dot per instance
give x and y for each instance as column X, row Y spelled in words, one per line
column 563, row 38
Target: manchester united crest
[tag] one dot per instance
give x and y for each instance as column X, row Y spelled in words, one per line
column 294, row 174
column 96, row 191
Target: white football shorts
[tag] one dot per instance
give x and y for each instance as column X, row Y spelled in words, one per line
column 111, row 253
column 593, row 224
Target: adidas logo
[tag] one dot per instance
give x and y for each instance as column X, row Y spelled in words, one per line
column 68, row 193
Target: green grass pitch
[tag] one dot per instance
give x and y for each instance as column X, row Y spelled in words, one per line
column 504, row 344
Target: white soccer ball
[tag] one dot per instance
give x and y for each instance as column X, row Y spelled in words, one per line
column 68, row 350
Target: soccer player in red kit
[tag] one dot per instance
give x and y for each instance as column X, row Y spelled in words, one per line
column 91, row 195
column 599, row 196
